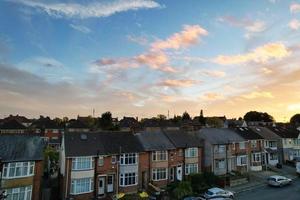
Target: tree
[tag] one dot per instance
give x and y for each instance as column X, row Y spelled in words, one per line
column 185, row 116
column 183, row 189
column 106, row 121
column 295, row 120
column 214, row 122
column 176, row 119
column 161, row 117
column 258, row 117
column 51, row 158
column 201, row 118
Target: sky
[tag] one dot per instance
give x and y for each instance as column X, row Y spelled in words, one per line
column 147, row 57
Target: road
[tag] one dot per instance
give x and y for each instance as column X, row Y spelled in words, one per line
column 290, row 192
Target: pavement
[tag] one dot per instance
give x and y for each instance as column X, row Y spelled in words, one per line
column 258, row 179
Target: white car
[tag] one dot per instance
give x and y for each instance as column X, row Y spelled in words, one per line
column 212, row 193
column 279, row 181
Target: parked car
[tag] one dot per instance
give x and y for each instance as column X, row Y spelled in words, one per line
column 279, row 181
column 194, row 198
column 215, row 192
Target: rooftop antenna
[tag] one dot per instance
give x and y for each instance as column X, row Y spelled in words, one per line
column 168, row 114
column 93, row 112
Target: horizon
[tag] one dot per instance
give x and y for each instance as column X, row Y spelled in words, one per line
column 148, row 57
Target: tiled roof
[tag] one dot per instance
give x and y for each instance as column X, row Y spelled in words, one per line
column 21, row 148
column 77, row 124
column 219, row 135
column 45, row 123
column 265, row 133
column 12, row 124
column 181, row 139
column 247, row 133
column 285, row 132
column 103, row 143
column 154, row 141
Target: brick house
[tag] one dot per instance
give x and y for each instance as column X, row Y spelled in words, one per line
column 99, row 164
column 220, row 153
column 252, row 149
column 22, row 166
column 12, row 126
column 271, row 155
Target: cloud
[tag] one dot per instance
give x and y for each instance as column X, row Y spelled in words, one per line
column 294, row 107
column 212, row 96
column 255, row 27
column 188, row 36
column 261, row 54
column 294, row 24
column 178, row 83
column 45, row 62
column 295, row 8
column 215, row 73
column 95, row 9
column 80, row 28
column 255, row 95
column 139, row 40
column 266, row 70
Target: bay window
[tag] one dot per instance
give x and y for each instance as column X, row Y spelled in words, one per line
column 129, row 159
column 18, row 169
column 256, row 157
column 82, row 163
column 21, row 193
column 160, row 155
column 191, row 152
column 127, row 179
column 191, row 168
column 241, row 160
column 82, row 185
column 159, row 174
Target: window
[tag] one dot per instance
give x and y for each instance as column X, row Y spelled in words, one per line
column 159, row 174
column 180, row 152
column 273, row 156
column 82, row 185
column 159, row 155
column 191, row 168
column 82, row 163
column 21, row 193
column 253, row 143
column 220, row 164
column 191, row 152
column 272, row 144
column 241, row 160
column 220, row 149
column 242, row 145
column 18, row 169
column 128, row 159
column 256, row 157
column 101, row 161
column 113, row 159
column 172, row 174
column 127, row 179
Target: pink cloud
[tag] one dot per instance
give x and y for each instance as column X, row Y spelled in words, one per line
column 295, row 8
column 178, row 83
column 294, row 24
column 188, row 36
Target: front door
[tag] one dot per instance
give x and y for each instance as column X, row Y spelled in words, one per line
column 101, row 185
column 179, row 173
column 110, row 183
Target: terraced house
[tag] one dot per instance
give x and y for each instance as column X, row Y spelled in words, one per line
column 98, row 164
column 22, row 166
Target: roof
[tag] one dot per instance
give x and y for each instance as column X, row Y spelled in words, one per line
column 265, row 133
column 215, row 190
column 285, row 132
column 219, row 135
column 77, row 124
column 21, row 148
column 103, row 143
column 12, row 124
column 128, row 122
column 20, row 119
column 150, row 123
column 46, row 123
column 154, row 141
column 181, row 139
column 247, row 133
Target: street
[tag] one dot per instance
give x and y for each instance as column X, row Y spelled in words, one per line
column 290, row 192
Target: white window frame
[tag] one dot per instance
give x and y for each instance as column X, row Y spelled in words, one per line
column 253, row 143
column 14, row 193
column 75, row 185
column 239, row 160
column 159, row 174
column 256, row 157
column 221, row 149
column 242, row 145
column 191, row 168
column 127, row 158
column 191, row 152
column 159, row 155
column 128, row 175
column 101, row 161
column 10, row 170
column 218, row 162
column 113, row 159
column 77, row 163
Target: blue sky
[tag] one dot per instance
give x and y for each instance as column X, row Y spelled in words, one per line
column 144, row 57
